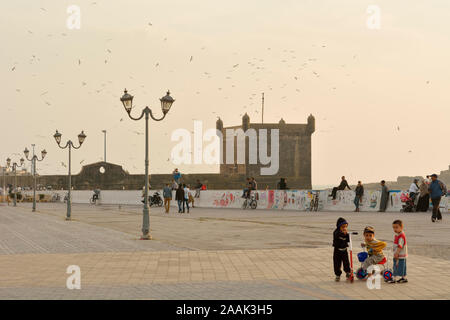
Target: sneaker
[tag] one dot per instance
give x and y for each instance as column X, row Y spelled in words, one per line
column 402, row 280
column 337, row 279
column 347, row 275
column 390, row 281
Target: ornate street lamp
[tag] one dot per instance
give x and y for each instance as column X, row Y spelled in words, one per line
column 33, row 160
column 14, row 169
column 70, row 145
column 166, row 103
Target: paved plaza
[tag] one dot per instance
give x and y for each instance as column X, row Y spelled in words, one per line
column 206, row 254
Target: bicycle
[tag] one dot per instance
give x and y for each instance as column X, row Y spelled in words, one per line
column 93, row 200
column 56, row 197
column 250, row 202
column 314, row 204
column 66, row 197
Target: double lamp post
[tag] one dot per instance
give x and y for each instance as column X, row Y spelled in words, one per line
column 33, row 160
column 166, row 103
column 14, row 167
column 70, row 145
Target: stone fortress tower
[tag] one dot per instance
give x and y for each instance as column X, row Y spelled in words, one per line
column 294, row 153
column 294, row 164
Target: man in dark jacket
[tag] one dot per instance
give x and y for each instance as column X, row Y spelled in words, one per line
column 341, row 239
column 437, row 189
column 342, row 186
column 179, row 196
column 359, row 192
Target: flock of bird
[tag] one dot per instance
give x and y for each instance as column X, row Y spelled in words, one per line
column 254, row 69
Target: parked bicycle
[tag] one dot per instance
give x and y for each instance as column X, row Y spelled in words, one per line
column 314, row 205
column 250, row 202
column 66, row 197
column 56, row 197
column 93, row 200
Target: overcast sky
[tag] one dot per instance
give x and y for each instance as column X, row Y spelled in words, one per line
column 380, row 97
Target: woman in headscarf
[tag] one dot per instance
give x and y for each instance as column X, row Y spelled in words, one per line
column 424, row 197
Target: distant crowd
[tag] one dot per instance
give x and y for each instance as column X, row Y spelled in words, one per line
column 418, row 199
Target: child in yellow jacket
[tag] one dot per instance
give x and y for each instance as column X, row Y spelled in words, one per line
column 374, row 248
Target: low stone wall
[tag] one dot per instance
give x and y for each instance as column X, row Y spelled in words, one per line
column 297, row 200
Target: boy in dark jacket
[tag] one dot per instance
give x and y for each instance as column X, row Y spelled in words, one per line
column 340, row 244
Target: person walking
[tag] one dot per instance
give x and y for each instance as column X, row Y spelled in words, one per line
column 424, row 197
column 186, row 197
column 359, row 192
column 437, row 189
column 179, row 196
column 167, row 195
column 384, row 197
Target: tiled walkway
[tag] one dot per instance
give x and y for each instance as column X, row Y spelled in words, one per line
column 36, row 249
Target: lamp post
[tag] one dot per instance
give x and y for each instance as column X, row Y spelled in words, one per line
column 166, row 103
column 4, row 184
column 70, row 145
column 104, row 149
column 33, row 160
column 14, row 169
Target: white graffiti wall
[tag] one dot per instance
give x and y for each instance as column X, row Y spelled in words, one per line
column 297, row 200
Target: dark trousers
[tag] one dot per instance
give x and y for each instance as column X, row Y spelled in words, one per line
column 339, row 258
column 436, row 211
column 333, row 192
column 356, row 201
column 186, row 202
